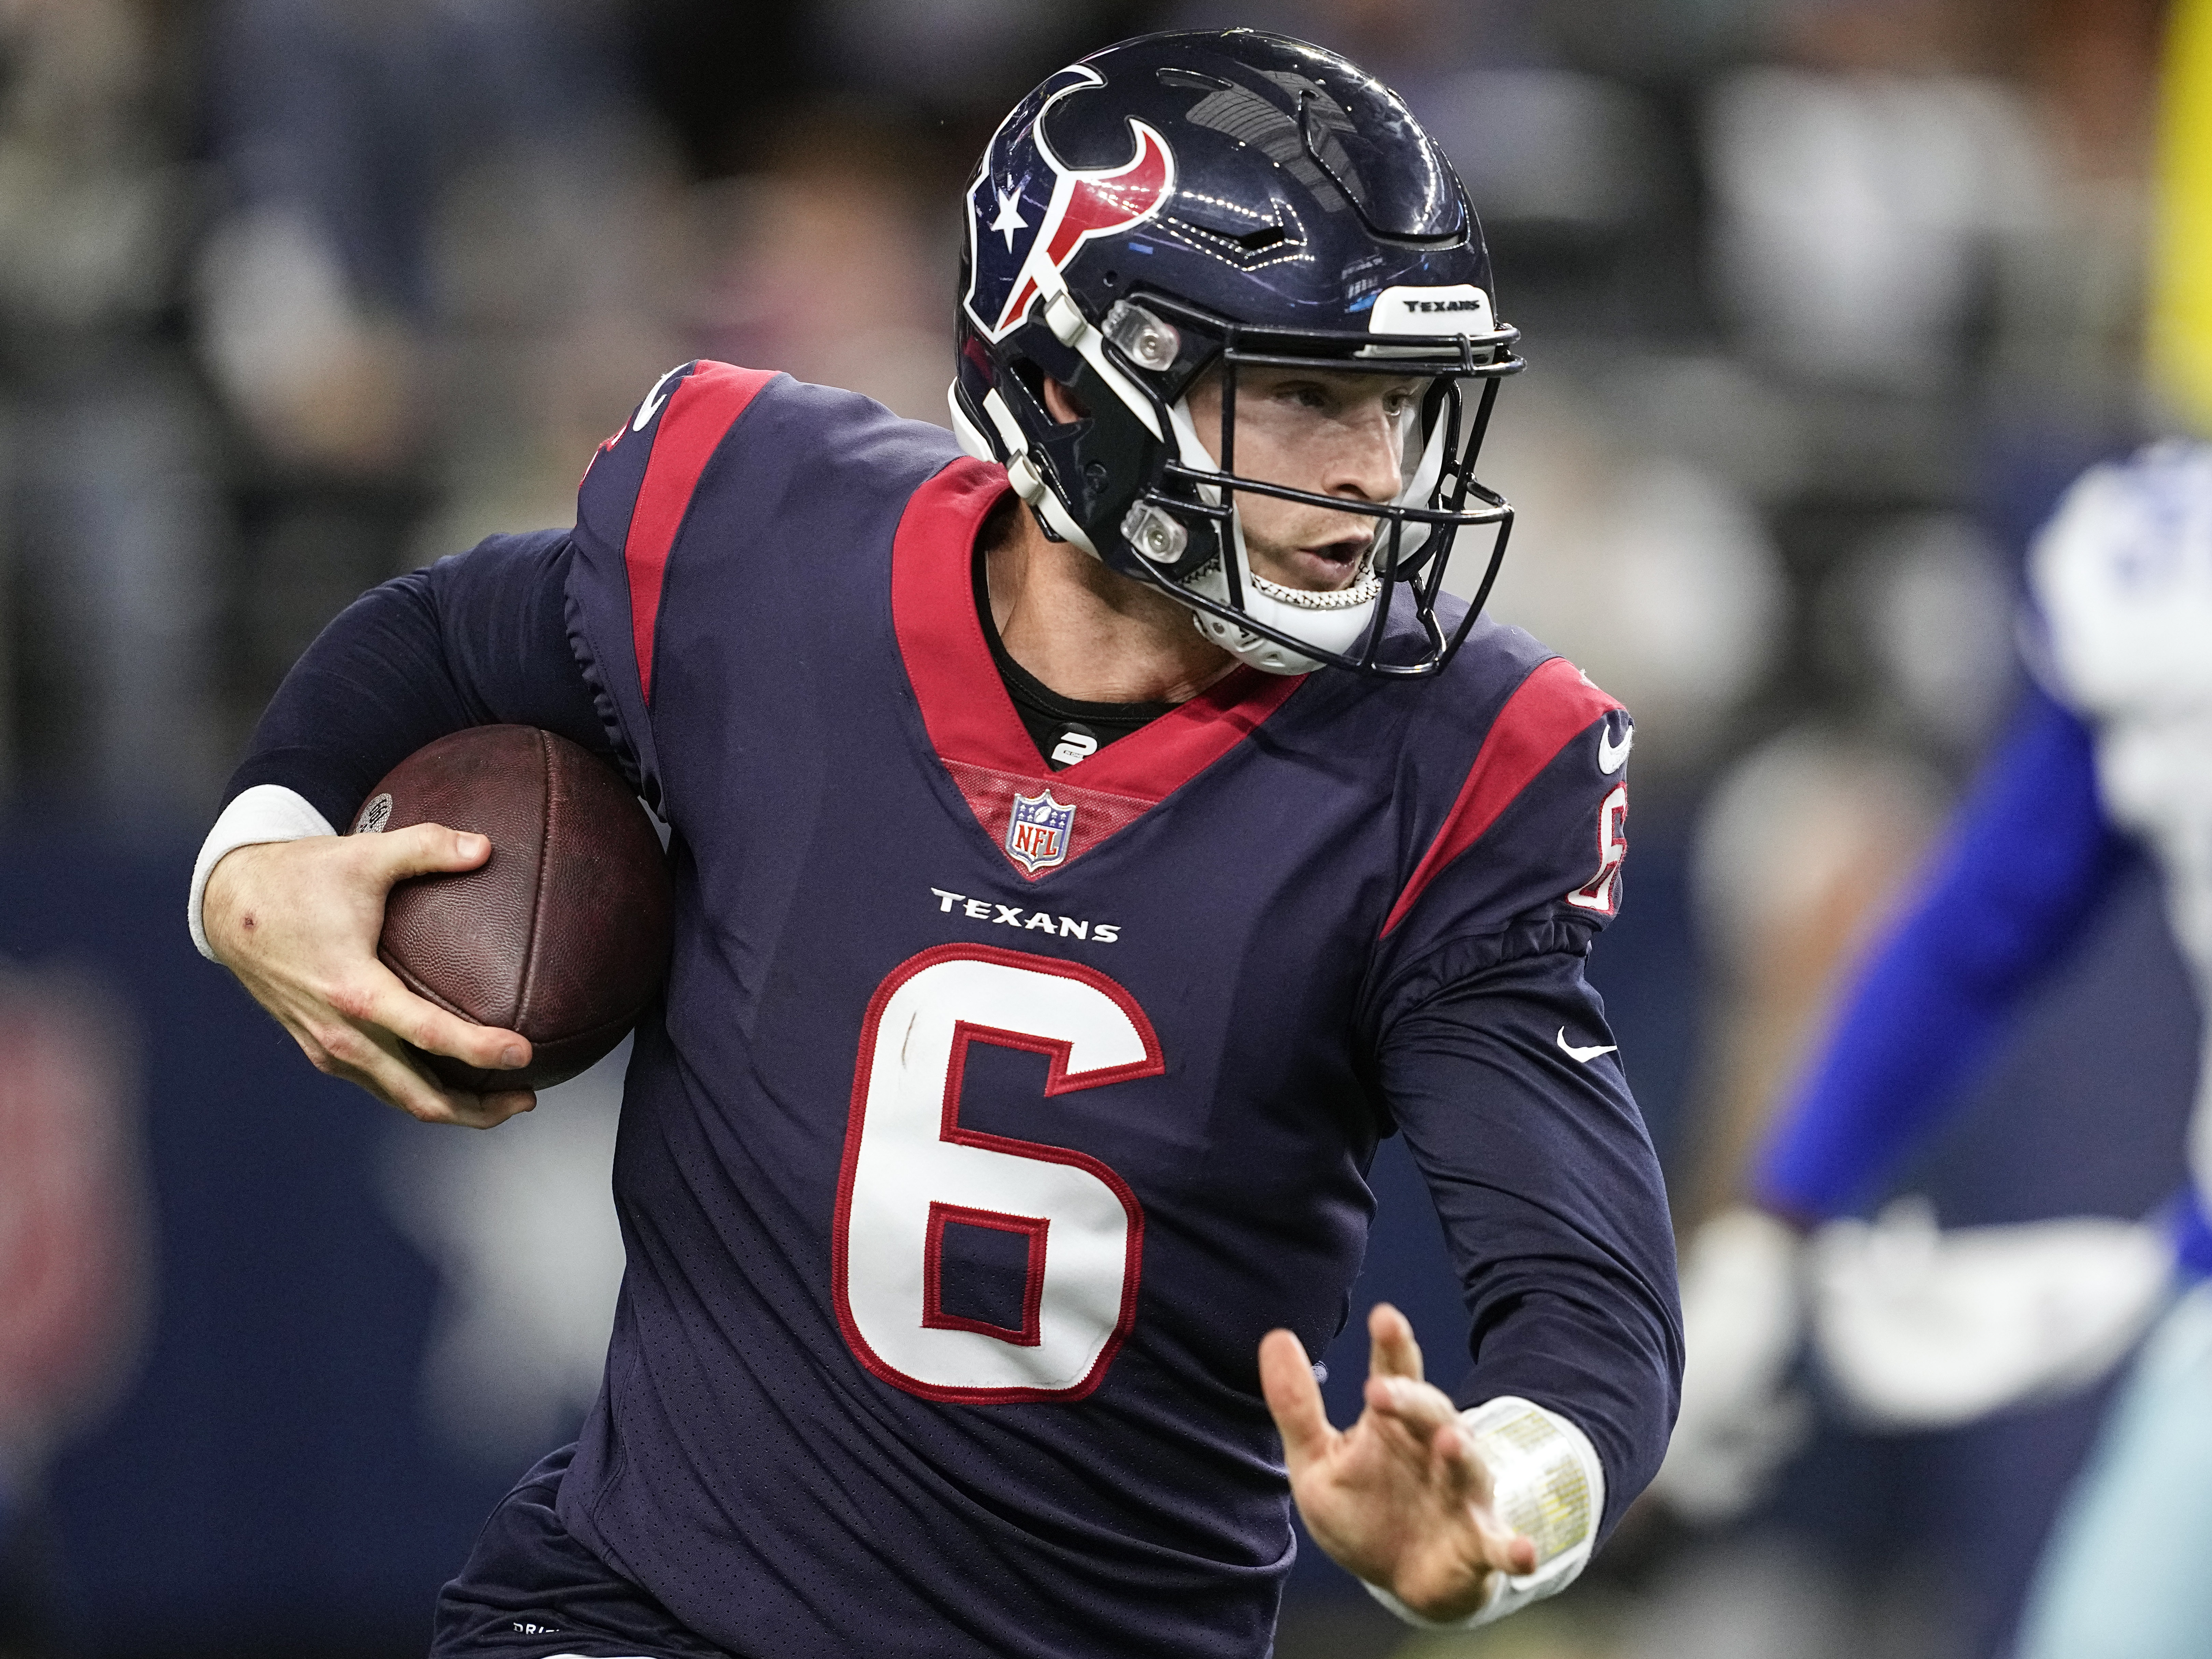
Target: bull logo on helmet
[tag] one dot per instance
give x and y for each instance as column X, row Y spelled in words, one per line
column 1029, row 212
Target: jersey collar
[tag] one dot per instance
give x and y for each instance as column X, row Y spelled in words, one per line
column 972, row 723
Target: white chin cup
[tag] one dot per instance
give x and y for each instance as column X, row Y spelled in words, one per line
column 1334, row 621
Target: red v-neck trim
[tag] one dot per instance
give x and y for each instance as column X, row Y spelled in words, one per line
column 972, row 722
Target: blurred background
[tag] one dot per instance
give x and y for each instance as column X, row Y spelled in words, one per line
column 1824, row 302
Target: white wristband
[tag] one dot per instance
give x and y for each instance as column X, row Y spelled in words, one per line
column 268, row 811
column 1547, row 1485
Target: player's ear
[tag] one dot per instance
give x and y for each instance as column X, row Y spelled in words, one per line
column 1063, row 405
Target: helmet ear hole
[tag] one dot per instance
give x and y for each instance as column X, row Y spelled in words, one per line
column 1061, row 403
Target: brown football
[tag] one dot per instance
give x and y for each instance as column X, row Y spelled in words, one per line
column 562, row 934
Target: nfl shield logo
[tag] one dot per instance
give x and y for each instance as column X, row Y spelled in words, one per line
column 1037, row 835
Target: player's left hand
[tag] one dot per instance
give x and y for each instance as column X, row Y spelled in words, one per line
column 1401, row 1498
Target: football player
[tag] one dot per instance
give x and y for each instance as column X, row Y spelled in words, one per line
column 2116, row 746
column 1087, row 847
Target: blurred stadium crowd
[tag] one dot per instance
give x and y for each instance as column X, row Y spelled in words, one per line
column 1825, row 302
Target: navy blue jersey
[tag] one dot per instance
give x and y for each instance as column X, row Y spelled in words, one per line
column 993, row 1113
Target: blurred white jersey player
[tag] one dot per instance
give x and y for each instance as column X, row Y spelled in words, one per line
column 1918, row 1330
column 2122, row 578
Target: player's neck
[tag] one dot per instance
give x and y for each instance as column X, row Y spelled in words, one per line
column 1085, row 631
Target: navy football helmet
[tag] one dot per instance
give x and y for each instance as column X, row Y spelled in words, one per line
column 1185, row 202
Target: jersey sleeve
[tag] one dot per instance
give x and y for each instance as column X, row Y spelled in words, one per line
column 477, row 638
column 2026, row 861
column 727, row 500
column 1493, row 1058
column 630, row 508
column 1510, row 1094
column 1521, row 852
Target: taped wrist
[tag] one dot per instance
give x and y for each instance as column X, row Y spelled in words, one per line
column 1547, row 1485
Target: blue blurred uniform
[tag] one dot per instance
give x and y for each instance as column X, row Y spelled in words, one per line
column 2120, row 747
column 2026, row 862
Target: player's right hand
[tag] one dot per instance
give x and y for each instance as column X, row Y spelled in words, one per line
column 298, row 922
column 1402, row 1498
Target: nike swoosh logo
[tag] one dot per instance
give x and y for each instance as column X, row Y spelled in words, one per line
column 1585, row 1055
column 1611, row 756
column 654, row 398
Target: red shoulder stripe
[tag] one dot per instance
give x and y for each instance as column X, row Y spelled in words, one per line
column 1545, row 713
column 692, row 424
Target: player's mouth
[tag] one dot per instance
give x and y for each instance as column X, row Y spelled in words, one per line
column 1326, row 566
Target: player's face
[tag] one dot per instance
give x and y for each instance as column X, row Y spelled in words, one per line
column 1332, row 433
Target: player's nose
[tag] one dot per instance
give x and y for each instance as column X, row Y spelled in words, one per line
column 1364, row 464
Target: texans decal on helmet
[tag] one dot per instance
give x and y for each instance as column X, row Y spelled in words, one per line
column 1034, row 210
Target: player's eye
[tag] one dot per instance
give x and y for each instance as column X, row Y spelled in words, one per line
column 1402, row 401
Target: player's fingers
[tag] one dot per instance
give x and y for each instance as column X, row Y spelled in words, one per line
column 489, row 1111
column 1460, row 1465
column 1512, row 1552
column 423, row 849
column 379, row 1065
column 380, row 999
column 1392, row 1351
column 1287, row 1379
column 374, row 1061
column 346, row 1051
column 1421, row 1409
column 1501, row 1546
column 401, row 1079
column 505, row 1103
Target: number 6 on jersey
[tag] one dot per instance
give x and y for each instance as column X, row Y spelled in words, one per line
column 909, row 1167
